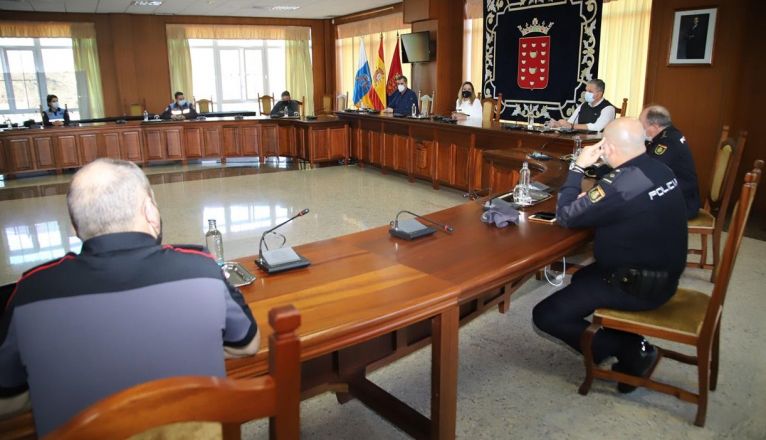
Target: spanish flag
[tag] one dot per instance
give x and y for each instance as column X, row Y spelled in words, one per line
column 378, row 90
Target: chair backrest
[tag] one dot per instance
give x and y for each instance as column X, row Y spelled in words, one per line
column 490, row 109
column 136, row 109
column 621, row 111
column 731, row 249
column 725, row 166
column 341, row 102
column 327, row 106
column 265, row 104
column 206, row 399
column 426, row 104
column 301, row 107
column 204, row 105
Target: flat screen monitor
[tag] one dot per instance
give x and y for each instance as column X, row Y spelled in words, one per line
column 416, row 47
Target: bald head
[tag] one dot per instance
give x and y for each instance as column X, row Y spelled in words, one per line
column 623, row 140
column 109, row 196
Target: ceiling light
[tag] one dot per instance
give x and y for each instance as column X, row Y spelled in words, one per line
column 285, row 8
column 146, row 2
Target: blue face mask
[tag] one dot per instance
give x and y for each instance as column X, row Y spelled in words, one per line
column 182, row 102
column 589, row 97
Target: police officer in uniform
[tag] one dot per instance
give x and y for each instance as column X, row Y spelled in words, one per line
column 668, row 145
column 180, row 109
column 592, row 115
column 55, row 115
column 639, row 219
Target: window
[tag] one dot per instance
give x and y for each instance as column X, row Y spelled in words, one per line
column 232, row 73
column 33, row 68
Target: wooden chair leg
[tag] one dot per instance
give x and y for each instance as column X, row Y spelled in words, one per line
column 703, row 372
column 714, row 361
column 716, row 253
column 505, row 304
column 703, row 247
column 586, row 344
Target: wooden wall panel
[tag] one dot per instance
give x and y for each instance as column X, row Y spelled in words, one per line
column 702, row 98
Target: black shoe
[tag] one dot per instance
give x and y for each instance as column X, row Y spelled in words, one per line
column 640, row 366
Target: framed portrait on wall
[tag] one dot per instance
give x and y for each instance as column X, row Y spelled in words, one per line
column 693, row 36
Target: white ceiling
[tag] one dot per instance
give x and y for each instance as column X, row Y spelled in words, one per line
column 238, row 8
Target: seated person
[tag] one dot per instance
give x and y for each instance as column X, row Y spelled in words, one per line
column 180, row 109
column 593, row 114
column 639, row 247
column 55, row 115
column 467, row 106
column 402, row 100
column 668, row 145
column 125, row 311
column 286, row 106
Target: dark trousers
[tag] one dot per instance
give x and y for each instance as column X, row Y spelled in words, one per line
column 563, row 314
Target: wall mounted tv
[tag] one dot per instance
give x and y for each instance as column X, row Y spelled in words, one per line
column 416, row 47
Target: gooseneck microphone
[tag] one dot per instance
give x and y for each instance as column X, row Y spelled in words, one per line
column 282, row 259
column 410, row 229
column 263, row 236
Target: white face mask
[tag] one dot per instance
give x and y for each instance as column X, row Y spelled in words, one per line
column 54, row 105
column 589, row 97
column 401, row 88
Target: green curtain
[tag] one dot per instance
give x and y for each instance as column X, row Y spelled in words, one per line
column 87, row 70
column 300, row 78
column 179, row 58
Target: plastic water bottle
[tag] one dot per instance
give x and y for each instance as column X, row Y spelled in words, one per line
column 530, row 122
column 214, row 242
column 521, row 191
column 576, row 151
column 146, row 115
column 414, row 111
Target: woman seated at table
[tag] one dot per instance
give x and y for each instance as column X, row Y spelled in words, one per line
column 467, row 105
column 55, row 115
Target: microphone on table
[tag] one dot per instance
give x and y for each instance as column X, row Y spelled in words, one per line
column 410, row 229
column 279, row 260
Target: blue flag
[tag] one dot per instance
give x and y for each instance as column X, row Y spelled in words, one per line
column 363, row 79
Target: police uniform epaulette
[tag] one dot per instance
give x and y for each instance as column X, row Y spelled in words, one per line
column 48, row 263
column 612, row 176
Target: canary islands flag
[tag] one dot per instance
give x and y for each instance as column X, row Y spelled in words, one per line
column 362, row 81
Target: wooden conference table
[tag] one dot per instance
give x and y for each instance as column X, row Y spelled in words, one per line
column 369, row 299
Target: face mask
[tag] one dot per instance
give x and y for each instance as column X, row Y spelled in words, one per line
column 54, row 105
column 401, row 88
column 589, row 97
column 466, row 93
column 182, row 102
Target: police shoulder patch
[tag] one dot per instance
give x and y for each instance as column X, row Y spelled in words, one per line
column 596, row 193
column 659, row 150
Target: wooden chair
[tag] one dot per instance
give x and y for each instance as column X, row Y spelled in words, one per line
column 205, row 399
column 136, row 109
column 621, row 111
column 265, row 102
column 341, row 102
column 204, row 105
column 710, row 220
column 689, row 317
column 301, row 107
column 491, row 109
column 426, row 103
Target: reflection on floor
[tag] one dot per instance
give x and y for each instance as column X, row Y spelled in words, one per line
column 245, row 200
column 47, row 185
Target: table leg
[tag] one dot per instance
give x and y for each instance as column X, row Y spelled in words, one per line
column 444, row 364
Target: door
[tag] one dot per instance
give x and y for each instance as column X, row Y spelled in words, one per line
column 66, row 152
column 173, row 143
column 20, row 154
column 249, row 141
column 212, row 141
column 155, row 145
column 88, row 148
column 230, row 141
column 193, row 145
column 131, row 145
